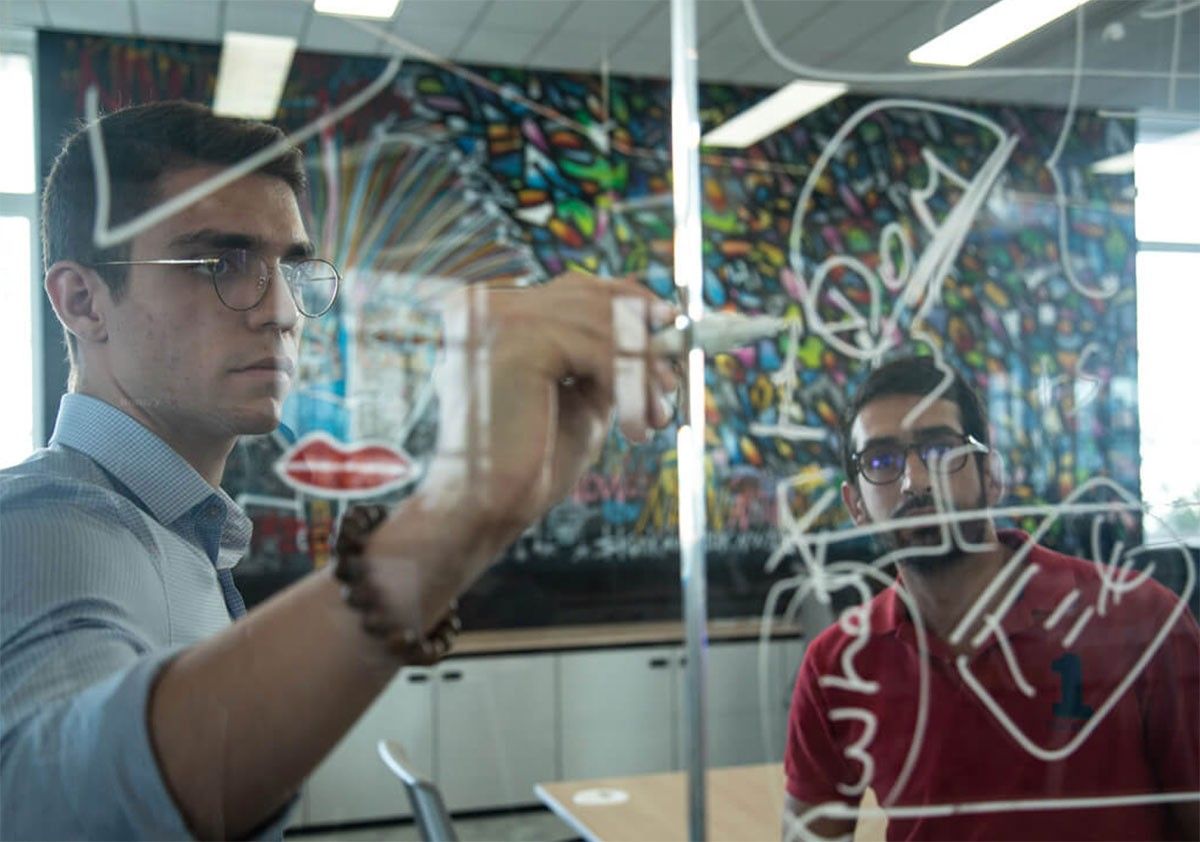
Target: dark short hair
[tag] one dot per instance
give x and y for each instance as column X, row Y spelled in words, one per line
column 916, row 376
column 141, row 144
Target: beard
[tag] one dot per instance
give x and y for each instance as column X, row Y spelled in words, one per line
column 926, row 546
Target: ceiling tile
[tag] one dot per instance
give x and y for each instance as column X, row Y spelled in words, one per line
column 1142, row 48
column 450, row 13
column 569, row 52
column 498, row 47
column 267, row 17
column 110, row 16
column 713, row 15
column 656, row 25
column 640, row 57
column 22, row 13
column 442, row 41
column 886, row 42
column 335, row 34
column 839, row 27
column 192, row 20
column 610, row 20
column 1142, row 44
column 525, row 15
column 829, row 37
column 729, row 49
column 781, row 19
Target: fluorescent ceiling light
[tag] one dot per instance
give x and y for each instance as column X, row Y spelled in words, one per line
column 785, row 106
column 357, row 8
column 1123, row 163
column 995, row 27
column 251, row 74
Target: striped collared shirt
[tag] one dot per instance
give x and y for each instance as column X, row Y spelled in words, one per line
column 114, row 554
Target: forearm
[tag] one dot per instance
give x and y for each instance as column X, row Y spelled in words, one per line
column 239, row 721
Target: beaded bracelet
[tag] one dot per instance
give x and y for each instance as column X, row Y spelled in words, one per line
column 350, row 569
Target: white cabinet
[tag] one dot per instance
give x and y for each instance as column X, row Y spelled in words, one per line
column 742, row 715
column 487, row 728
column 622, row 711
column 483, row 729
column 495, row 730
column 617, row 712
column 352, row 784
column 749, row 691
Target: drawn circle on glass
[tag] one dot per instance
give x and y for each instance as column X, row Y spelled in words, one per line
column 852, row 574
column 600, row 797
column 856, row 570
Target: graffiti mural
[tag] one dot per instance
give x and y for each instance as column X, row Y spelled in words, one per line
column 870, row 226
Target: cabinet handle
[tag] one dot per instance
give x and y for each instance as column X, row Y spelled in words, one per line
column 418, row 678
column 683, row 661
column 658, row 663
column 451, row 675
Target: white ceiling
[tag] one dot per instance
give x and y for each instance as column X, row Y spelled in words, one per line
column 1136, row 38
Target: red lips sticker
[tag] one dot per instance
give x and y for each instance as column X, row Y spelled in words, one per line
column 318, row 464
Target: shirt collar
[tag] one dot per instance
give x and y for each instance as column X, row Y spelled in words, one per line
column 145, row 464
column 1037, row 598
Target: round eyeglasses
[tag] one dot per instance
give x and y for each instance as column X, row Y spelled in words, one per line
column 883, row 463
column 241, row 278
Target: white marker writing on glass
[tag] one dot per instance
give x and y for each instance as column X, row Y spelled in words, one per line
column 718, row 333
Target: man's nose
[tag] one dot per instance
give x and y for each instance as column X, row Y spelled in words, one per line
column 915, row 479
column 278, row 307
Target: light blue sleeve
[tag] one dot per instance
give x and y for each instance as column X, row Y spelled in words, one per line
column 82, row 766
column 84, row 633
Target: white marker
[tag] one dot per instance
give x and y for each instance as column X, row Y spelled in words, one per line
column 719, row 333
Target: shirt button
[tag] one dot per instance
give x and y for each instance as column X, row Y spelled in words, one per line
column 212, row 512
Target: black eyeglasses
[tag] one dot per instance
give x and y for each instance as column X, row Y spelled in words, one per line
column 241, row 278
column 883, row 463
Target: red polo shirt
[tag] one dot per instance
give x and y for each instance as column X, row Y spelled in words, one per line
column 1090, row 696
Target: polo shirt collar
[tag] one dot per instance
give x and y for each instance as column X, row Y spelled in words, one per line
column 163, row 480
column 1038, row 597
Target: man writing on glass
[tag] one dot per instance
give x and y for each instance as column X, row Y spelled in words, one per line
column 131, row 705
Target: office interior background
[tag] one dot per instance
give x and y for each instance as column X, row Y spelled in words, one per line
column 520, row 138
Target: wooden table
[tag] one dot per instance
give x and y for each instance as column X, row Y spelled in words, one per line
column 745, row 803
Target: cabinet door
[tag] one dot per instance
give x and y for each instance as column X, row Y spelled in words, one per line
column 743, row 716
column 495, row 730
column 352, row 784
column 617, row 712
column 749, row 692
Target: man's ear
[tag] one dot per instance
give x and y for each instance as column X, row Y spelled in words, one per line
column 80, row 300
column 854, row 504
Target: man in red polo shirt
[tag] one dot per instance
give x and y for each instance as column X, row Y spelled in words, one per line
column 997, row 689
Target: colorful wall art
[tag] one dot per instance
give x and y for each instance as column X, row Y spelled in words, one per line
column 873, row 226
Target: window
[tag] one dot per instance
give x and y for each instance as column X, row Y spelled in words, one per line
column 16, row 141
column 18, row 227
column 1167, row 174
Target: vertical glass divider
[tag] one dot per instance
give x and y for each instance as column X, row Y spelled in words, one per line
column 689, row 280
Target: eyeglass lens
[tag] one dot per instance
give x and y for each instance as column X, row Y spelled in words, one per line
column 242, row 277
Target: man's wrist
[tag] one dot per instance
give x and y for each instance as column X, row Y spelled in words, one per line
column 388, row 612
